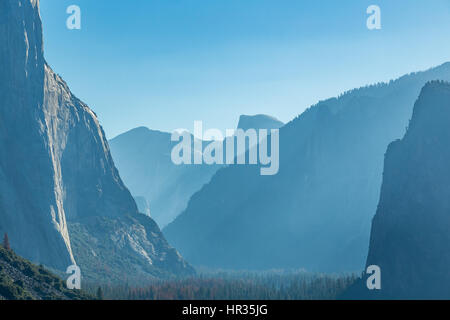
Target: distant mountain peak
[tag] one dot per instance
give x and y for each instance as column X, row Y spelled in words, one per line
column 259, row 121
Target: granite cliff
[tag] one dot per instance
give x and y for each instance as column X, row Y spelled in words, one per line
column 60, row 193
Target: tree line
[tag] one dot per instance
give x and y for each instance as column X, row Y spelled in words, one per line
column 245, row 287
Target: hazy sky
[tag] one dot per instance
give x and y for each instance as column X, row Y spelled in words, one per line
column 165, row 63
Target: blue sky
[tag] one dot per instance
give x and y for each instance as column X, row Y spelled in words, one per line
column 165, row 63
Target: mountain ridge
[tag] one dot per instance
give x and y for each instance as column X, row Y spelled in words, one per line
column 143, row 157
column 331, row 163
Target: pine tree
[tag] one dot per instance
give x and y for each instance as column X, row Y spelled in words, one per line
column 6, row 244
column 99, row 293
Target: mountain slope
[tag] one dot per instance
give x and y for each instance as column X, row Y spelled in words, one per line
column 316, row 212
column 21, row 280
column 410, row 231
column 143, row 158
column 56, row 170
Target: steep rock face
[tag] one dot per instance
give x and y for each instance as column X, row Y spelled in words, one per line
column 30, row 204
column 128, row 249
column 143, row 205
column 85, row 174
column 410, row 232
column 56, row 170
column 316, row 212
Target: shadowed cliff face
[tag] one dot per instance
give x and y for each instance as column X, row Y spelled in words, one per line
column 56, row 170
column 410, row 238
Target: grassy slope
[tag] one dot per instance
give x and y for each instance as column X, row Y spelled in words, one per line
column 22, row 280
